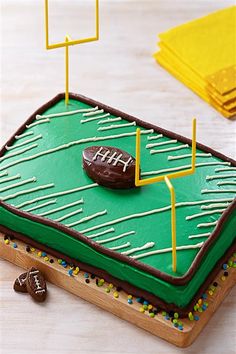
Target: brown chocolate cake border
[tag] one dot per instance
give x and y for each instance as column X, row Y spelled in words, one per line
column 125, row 259
column 130, row 289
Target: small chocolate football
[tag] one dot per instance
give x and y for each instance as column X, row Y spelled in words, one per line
column 20, row 283
column 109, row 166
column 36, row 285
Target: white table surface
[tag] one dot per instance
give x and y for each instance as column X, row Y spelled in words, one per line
column 118, row 70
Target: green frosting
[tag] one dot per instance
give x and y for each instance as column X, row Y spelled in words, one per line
column 179, row 295
column 63, row 168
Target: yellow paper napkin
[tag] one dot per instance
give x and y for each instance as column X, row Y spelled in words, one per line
column 202, row 54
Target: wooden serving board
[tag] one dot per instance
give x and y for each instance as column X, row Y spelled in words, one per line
column 76, row 284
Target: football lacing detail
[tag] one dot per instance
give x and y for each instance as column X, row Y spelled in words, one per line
column 113, row 158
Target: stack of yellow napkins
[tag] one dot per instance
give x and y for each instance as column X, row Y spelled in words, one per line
column 202, row 54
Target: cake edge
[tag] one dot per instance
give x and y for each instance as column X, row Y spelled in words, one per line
column 129, row 288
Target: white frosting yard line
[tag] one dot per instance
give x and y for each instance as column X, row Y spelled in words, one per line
column 8, row 179
column 212, row 163
column 90, row 114
column 11, row 196
column 24, row 142
column 150, row 212
column 57, row 194
column 117, row 126
column 14, row 185
column 94, row 118
column 87, row 218
column 216, row 211
column 124, row 218
column 165, row 250
column 199, row 202
column 226, row 183
column 80, row 201
column 17, row 137
column 169, row 149
column 225, row 169
column 170, row 158
column 109, row 120
column 154, row 137
column 41, row 205
column 125, row 245
column 224, row 200
column 116, row 237
column 215, row 205
column 200, row 164
column 144, row 247
column 209, row 178
column 102, row 233
column 73, row 143
column 5, row 173
column 200, row 235
column 18, row 152
column 207, row 224
column 41, row 121
column 69, row 215
column 54, row 115
column 148, row 146
column 204, row 191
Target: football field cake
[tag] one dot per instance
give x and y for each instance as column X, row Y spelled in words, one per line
column 67, row 186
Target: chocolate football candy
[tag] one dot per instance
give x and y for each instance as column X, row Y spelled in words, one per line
column 20, row 283
column 36, row 285
column 109, row 166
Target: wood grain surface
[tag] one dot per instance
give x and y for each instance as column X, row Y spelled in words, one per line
column 118, row 70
